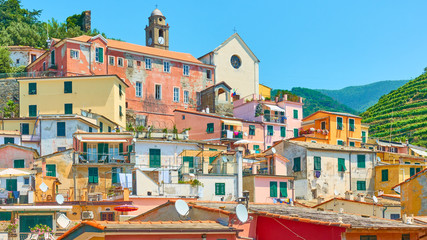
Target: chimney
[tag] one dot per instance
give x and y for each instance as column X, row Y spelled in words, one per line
column 86, row 21
column 320, row 199
column 349, row 195
column 361, row 197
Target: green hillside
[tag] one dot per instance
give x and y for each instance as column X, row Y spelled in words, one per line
column 315, row 100
column 362, row 97
column 403, row 111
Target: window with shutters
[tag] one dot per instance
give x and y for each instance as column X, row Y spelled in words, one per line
column 9, row 140
column 190, row 161
column 68, row 108
column 251, row 130
column 384, row 175
column 11, row 184
column 74, row 54
column 351, row 124
column 19, row 163
column 52, row 58
column 219, row 189
column 270, row 130
column 295, row 132
column 339, row 123
column 283, row 189
column 256, row 148
column 295, row 113
column 341, row 165
column 317, row 163
column 120, row 90
column 32, row 88
column 107, row 216
column 5, row 216
column 211, row 159
column 51, row 170
column 297, row 164
column 93, row 175
column 412, row 172
column 352, row 144
column 155, row 158
column 363, row 137
column 25, row 128
column 68, row 87
column 361, row 185
column 417, row 170
column 115, row 171
column 283, row 131
column 101, row 127
column 60, row 129
column 99, row 55
column 27, row 222
column 32, row 110
column 361, row 162
column 394, row 216
column 340, row 142
column 120, row 111
column 273, row 189
column 210, row 128
column 323, row 125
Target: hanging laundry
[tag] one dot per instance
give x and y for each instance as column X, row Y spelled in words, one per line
column 16, row 194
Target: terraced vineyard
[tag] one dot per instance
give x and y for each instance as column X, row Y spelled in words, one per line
column 403, row 112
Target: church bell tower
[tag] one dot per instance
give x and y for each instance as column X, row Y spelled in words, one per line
column 157, row 32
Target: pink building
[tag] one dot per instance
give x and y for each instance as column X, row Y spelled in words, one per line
column 160, row 80
column 265, row 179
column 15, row 156
column 280, row 118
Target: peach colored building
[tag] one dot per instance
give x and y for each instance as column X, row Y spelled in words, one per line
column 160, row 80
column 15, row 156
column 280, row 118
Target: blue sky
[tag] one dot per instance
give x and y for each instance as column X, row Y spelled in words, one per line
column 326, row 44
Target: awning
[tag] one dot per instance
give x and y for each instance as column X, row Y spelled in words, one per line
column 420, row 152
column 195, row 153
column 104, row 140
column 388, row 144
column 275, row 108
column 232, row 122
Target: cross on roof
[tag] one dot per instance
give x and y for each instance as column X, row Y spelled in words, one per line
column 234, row 29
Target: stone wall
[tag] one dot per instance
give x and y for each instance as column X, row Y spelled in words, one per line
column 9, row 90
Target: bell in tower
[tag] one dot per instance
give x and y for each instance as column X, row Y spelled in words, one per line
column 157, row 32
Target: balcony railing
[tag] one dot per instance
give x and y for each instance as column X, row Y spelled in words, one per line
column 228, row 134
column 32, row 74
column 104, row 158
column 274, row 119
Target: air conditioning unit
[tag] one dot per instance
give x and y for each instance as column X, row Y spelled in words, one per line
column 87, row 215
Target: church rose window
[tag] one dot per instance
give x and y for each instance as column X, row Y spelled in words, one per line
column 235, row 61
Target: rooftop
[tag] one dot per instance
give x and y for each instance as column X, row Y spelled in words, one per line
column 322, row 146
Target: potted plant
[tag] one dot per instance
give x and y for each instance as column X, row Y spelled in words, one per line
column 11, row 228
column 43, row 231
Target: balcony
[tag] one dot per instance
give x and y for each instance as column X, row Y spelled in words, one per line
column 274, row 119
column 31, row 138
column 104, row 158
column 233, row 135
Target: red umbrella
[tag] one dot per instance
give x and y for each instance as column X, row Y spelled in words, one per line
column 126, row 208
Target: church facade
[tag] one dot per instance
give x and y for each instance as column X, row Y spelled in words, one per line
column 236, row 65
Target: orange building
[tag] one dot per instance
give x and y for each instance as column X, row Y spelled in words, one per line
column 413, row 194
column 333, row 128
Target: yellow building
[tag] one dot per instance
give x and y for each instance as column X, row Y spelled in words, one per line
column 264, row 91
column 333, row 128
column 413, row 194
column 104, row 95
column 394, row 168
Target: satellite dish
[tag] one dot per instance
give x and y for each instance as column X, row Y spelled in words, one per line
column 245, row 133
column 375, row 199
column 59, row 199
column 273, row 150
column 224, row 159
column 181, row 207
column 241, row 213
column 336, row 192
column 63, row 221
column 378, row 159
column 43, row 187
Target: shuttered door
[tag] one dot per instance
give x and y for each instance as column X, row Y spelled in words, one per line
column 11, row 184
column 155, row 158
column 102, row 150
column 283, row 189
column 273, row 189
column 27, row 222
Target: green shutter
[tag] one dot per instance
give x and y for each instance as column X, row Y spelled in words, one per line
column 32, row 88
column 297, row 164
column 361, row 185
column 210, row 128
column 32, row 110
column 12, row 184
column 295, row 132
column 283, row 189
column 60, row 129
column 155, row 158
column 190, row 161
column 101, row 127
column 25, row 128
column 68, row 108
column 412, row 171
column 5, row 216
column 273, row 189
column 120, row 111
column 19, row 163
column 340, row 142
column 219, row 188
column 84, row 150
column 339, row 123
column 270, row 130
column 52, row 57
column 251, row 130
column 317, row 163
column 361, row 161
column 9, row 140
column 68, row 87
column 283, row 131
column 341, row 165
column 115, row 175
column 93, row 175
column 102, row 150
column 351, row 123
column 101, row 55
column 27, row 222
column 418, row 170
column 351, row 144
column 121, row 149
column 51, row 170
column 384, row 175
column 363, row 136
column 295, row 114
column 120, row 90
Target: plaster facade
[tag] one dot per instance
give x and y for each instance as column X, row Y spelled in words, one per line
column 23, row 55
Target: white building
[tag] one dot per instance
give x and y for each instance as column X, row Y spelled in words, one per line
column 10, row 137
column 24, row 55
column 322, row 170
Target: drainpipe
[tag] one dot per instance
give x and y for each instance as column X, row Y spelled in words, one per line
column 385, row 208
column 349, row 158
column 239, row 159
